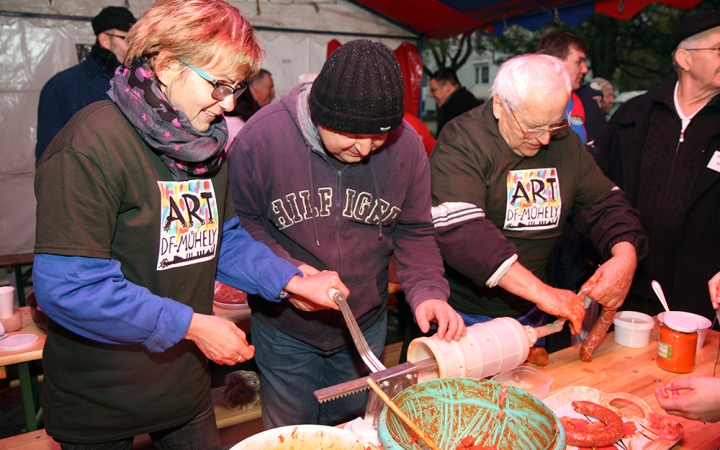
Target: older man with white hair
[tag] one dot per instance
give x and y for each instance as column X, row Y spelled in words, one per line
column 505, row 176
column 663, row 149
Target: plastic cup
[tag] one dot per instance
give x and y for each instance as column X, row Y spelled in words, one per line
column 702, row 322
column 7, row 301
column 632, row 329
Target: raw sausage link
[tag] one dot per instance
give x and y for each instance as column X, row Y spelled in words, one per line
column 538, row 356
column 596, row 334
column 613, row 432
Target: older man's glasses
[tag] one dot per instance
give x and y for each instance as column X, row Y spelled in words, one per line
column 534, row 133
column 117, row 35
column 221, row 91
column 715, row 49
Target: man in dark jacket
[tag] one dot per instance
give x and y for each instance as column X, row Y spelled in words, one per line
column 451, row 98
column 568, row 264
column 663, row 149
column 585, row 116
column 505, row 176
column 330, row 177
column 71, row 90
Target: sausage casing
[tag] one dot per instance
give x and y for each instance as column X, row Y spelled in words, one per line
column 612, row 432
column 596, row 334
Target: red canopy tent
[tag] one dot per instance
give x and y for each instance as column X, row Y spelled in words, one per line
column 441, row 19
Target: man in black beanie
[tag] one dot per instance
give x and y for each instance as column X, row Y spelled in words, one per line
column 331, row 178
column 663, row 150
column 69, row 91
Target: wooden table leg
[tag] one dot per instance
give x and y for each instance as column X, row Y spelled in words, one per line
column 20, row 280
column 30, row 394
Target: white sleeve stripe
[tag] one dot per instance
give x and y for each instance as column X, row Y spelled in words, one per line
column 502, row 270
column 451, row 213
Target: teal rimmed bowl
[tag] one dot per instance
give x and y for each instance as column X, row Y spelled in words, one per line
column 450, row 409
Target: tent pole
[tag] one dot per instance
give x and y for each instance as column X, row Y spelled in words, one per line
column 421, row 49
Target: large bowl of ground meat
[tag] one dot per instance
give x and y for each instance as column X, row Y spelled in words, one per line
column 471, row 414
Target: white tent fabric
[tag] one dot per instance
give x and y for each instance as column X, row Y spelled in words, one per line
column 38, row 40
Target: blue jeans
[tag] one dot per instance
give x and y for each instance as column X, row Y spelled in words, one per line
column 200, row 433
column 291, row 370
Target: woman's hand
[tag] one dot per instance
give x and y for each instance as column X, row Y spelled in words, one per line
column 701, row 402
column 219, row 339
column 714, row 285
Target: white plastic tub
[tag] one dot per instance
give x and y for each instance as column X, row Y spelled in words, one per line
column 632, row 329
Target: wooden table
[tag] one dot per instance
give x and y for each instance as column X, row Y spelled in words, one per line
column 615, row 368
column 26, row 372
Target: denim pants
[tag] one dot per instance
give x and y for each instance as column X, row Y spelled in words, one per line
column 291, row 370
column 200, row 433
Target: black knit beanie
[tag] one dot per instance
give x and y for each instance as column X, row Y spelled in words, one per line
column 359, row 90
column 111, row 17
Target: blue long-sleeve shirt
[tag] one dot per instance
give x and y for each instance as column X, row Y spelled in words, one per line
column 92, row 298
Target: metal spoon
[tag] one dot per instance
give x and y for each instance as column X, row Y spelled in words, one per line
column 659, row 292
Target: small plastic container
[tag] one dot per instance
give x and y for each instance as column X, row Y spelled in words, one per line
column 677, row 343
column 703, row 324
column 528, row 379
column 632, row 329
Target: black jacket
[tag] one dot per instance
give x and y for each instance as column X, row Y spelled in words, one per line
column 698, row 252
column 457, row 103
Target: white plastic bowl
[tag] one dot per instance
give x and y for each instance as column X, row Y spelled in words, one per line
column 305, row 437
column 632, row 329
column 703, row 324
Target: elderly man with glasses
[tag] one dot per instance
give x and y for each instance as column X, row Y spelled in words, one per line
column 663, row 149
column 505, row 176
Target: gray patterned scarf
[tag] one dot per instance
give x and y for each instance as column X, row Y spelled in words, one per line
column 164, row 129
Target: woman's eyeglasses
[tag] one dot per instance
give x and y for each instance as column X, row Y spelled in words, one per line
column 221, row 91
column 538, row 132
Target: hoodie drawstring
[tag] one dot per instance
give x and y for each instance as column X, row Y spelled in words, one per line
column 377, row 199
column 312, row 206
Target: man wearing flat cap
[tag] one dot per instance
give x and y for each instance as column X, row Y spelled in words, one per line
column 71, row 90
column 663, row 150
column 331, row 178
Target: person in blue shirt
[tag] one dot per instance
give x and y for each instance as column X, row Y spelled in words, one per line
column 135, row 224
